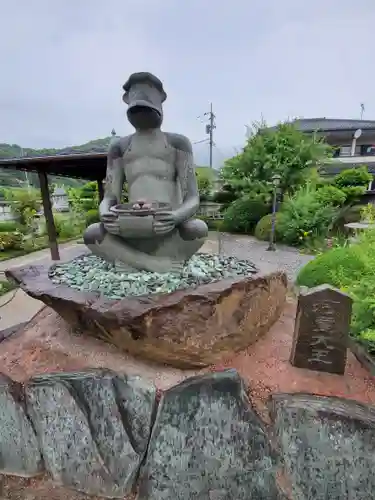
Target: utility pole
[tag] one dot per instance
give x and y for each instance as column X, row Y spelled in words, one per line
column 362, row 110
column 210, row 127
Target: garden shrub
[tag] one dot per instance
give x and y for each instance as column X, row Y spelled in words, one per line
column 89, row 190
column 88, row 204
column 68, row 230
column 264, row 226
column 212, row 224
column 224, row 196
column 5, row 287
column 352, row 269
column 67, row 226
column 353, row 177
column 368, row 213
column 303, row 216
column 59, row 223
column 25, row 204
column 243, row 215
column 331, row 195
column 354, row 182
column 91, row 217
column 204, row 185
column 335, row 267
column 363, row 312
column 354, row 193
column 11, row 241
column 8, row 226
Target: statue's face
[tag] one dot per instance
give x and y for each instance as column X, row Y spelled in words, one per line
column 143, row 117
column 145, row 109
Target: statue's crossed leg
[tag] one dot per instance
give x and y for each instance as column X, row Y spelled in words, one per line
column 167, row 254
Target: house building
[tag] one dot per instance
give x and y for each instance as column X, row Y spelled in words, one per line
column 353, row 142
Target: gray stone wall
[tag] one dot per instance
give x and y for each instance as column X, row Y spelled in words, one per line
column 107, row 434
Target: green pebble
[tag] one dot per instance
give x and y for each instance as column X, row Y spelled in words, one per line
column 90, row 273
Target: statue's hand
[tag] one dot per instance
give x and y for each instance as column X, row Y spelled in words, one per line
column 164, row 223
column 110, row 222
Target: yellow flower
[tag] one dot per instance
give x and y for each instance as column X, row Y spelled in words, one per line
column 305, row 233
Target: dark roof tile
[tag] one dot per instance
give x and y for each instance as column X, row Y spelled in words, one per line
column 331, row 124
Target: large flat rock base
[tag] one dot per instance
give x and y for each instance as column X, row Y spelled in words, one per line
column 189, row 328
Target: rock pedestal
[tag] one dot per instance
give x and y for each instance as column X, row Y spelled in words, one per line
column 188, row 328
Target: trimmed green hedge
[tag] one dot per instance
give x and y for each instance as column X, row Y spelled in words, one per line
column 264, row 226
column 92, row 216
column 243, row 215
column 8, row 226
column 335, row 267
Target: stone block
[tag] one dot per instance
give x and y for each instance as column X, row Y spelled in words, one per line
column 93, row 428
column 327, row 444
column 208, row 443
column 19, row 450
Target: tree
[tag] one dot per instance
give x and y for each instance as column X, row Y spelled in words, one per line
column 353, row 182
column 89, row 190
column 204, row 187
column 204, row 180
column 359, row 176
column 282, row 150
column 25, row 205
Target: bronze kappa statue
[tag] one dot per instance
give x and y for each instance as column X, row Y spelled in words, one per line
column 156, row 230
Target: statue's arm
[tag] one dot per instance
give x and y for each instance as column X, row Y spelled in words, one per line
column 186, row 176
column 115, row 177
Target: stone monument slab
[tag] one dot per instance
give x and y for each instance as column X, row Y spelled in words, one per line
column 327, row 445
column 321, row 330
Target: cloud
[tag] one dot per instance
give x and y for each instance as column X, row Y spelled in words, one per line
column 64, row 62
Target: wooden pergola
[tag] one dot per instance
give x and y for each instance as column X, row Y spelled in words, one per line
column 88, row 166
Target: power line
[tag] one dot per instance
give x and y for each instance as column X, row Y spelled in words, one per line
column 210, row 127
column 200, row 142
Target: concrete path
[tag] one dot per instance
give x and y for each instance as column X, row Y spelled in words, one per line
column 22, row 307
column 284, row 258
column 16, row 306
column 67, row 251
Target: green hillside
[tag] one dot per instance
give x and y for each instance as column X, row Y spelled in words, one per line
column 14, row 178
column 14, row 150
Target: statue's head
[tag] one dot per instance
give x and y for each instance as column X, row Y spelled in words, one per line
column 144, row 95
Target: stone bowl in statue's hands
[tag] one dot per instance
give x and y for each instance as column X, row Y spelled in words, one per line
column 138, row 222
column 139, row 209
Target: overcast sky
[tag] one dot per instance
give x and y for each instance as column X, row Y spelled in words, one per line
column 63, row 64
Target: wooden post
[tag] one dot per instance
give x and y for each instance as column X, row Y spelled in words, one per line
column 100, row 189
column 50, row 223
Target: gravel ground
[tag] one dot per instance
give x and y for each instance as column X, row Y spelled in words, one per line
column 247, row 247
